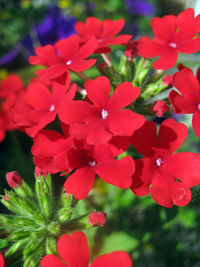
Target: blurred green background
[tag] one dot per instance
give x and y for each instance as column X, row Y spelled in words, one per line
column 153, row 235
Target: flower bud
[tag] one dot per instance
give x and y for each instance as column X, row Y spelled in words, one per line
column 160, row 107
column 39, row 172
column 13, row 179
column 97, row 218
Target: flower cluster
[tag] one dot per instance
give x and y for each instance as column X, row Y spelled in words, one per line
column 88, row 129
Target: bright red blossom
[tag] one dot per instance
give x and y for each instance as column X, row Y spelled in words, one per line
column 173, row 35
column 67, row 54
column 165, row 174
column 89, row 161
column 74, row 252
column 188, row 102
column 100, row 119
column 39, row 106
column 103, row 31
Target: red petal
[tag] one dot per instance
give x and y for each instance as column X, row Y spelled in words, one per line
column 164, row 28
column 51, row 260
column 142, row 177
column 188, row 25
column 74, row 249
column 196, row 123
column 123, row 95
column 87, row 49
column 171, row 135
column 185, row 167
column 182, row 105
column 181, row 194
column 167, row 59
column 81, row 65
column 52, row 72
column 113, row 259
column 116, row 172
column 80, row 182
column 144, row 139
column 149, row 48
column 187, row 84
column 76, row 112
column 190, row 46
column 160, row 190
column 68, row 47
column 98, row 91
column 111, row 28
column 124, row 122
column 121, row 39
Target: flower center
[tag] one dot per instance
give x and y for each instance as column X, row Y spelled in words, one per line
column 104, row 114
column 92, row 163
column 68, row 62
column 52, row 107
column 159, row 162
column 198, row 106
column 173, row 45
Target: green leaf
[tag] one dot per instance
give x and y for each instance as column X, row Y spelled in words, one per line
column 4, row 243
column 119, row 241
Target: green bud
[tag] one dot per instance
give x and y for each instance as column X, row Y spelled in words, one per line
column 53, row 228
column 44, row 195
column 51, row 245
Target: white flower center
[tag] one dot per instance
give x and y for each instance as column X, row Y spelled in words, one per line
column 52, row 107
column 173, row 45
column 159, row 162
column 198, row 106
column 68, row 62
column 92, row 163
column 104, row 114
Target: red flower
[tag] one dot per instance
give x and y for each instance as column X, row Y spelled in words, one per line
column 172, row 35
column 13, row 179
column 2, row 263
column 160, row 107
column 103, row 31
column 166, row 175
column 67, row 55
column 189, row 99
column 38, row 106
column 89, row 161
column 100, row 120
column 73, row 251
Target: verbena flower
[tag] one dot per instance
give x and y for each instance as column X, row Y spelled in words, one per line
column 102, row 118
column 173, row 35
column 163, row 173
column 104, row 31
column 73, row 251
column 39, row 106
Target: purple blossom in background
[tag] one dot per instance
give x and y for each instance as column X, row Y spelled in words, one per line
column 53, row 27
column 137, row 7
